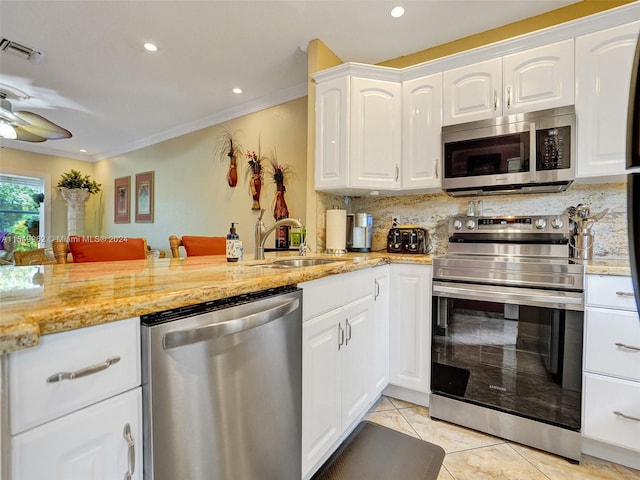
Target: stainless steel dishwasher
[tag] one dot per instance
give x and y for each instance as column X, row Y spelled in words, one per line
column 222, row 389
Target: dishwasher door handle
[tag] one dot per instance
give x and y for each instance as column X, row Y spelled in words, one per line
column 180, row 338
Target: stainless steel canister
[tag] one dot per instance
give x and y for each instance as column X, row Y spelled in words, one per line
column 581, row 245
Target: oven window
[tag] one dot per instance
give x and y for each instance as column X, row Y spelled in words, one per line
column 487, row 156
column 520, row 359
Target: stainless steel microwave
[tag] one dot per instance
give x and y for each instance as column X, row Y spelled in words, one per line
column 522, row 153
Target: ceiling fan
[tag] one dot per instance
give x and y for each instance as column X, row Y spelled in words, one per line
column 26, row 126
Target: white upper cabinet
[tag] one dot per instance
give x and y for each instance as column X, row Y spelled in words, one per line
column 332, row 133
column 539, row 78
column 472, row 92
column 421, row 132
column 603, row 74
column 534, row 79
column 358, row 129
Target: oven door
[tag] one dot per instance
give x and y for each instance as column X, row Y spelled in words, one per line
column 517, row 350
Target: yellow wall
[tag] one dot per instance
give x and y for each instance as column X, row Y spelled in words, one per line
column 192, row 196
column 51, row 168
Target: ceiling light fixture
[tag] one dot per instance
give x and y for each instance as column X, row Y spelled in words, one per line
column 237, row 90
column 7, row 131
column 82, row 150
column 151, row 47
column 397, row 12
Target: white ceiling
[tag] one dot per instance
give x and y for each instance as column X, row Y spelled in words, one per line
column 97, row 81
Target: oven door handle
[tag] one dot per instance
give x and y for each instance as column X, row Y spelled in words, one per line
column 511, row 295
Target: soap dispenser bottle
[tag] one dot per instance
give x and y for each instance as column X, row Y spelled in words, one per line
column 233, row 244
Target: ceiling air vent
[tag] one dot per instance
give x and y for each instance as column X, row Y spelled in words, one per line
column 20, row 50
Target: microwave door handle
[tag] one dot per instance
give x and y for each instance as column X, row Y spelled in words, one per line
column 532, row 151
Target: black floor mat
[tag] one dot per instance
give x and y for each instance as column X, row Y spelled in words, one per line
column 374, row 452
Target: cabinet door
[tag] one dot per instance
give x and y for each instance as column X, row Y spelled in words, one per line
column 421, row 132
column 321, row 386
column 539, row 78
column 410, row 327
column 612, row 410
column 332, row 133
column 472, row 92
column 89, row 444
column 355, row 356
column 379, row 331
column 375, row 134
column 603, row 76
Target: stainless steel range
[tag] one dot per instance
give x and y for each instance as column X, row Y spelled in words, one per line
column 507, row 331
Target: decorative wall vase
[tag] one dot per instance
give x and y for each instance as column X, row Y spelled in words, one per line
column 232, row 174
column 255, row 184
column 280, row 209
column 75, row 199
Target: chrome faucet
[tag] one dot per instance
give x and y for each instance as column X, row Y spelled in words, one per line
column 261, row 233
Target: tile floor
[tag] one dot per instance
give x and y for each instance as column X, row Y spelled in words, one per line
column 472, row 455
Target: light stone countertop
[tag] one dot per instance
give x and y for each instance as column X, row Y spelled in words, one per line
column 39, row 300
column 608, row 266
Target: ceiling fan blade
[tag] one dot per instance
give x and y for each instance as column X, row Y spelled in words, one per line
column 25, row 136
column 41, row 127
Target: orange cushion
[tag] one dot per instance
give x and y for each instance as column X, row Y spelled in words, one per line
column 98, row 249
column 198, row 246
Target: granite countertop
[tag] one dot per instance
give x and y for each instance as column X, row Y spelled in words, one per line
column 39, row 300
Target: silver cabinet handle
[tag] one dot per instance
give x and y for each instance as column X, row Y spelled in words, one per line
column 377, row 292
column 437, row 160
column 180, row 338
column 397, row 172
column 340, row 336
column 628, row 417
column 625, row 294
column 132, row 452
column 346, row 322
column 495, row 100
column 628, row 347
column 58, row 377
column 509, row 97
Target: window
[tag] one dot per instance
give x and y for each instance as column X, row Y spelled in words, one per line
column 20, row 208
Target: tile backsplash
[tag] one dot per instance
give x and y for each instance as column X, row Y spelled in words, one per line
column 432, row 211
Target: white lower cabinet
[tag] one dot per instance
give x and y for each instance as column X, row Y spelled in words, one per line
column 611, row 380
column 336, row 369
column 410, row 327
column 75, row 406
column 379, row 331
column 98, row 442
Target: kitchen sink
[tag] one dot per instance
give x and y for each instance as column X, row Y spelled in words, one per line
column 297, row 262
column 304, row 262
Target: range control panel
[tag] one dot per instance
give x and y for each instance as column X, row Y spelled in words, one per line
column 536, row 225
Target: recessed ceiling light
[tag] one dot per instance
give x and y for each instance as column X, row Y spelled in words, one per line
column 237, row 90
column 83, row 150
column 397, row 12
column 150, row 47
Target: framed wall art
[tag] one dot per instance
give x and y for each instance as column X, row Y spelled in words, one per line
column 144, row 197
column 122, row 200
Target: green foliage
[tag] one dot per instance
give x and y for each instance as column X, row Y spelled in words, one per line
column 75, row 179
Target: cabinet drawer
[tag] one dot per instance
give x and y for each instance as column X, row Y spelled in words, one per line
column 89, row 444
column 321, row 296
column 604, row 396
column 357, row 285
column 34, row 400
column 610, row 291
column 605, row 329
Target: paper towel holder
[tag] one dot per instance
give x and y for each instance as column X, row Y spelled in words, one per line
column 336, row 251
